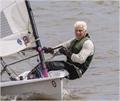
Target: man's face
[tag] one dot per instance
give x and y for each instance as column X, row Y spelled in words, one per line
column 79, row 32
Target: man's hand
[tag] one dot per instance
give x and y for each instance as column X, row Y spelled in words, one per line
column 66, row 52
column 48, row 50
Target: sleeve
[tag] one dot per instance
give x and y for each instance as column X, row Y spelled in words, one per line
column 87, row 50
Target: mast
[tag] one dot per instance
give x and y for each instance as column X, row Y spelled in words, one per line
column 35, row 33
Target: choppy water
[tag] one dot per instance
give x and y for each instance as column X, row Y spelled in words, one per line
column 55, row 21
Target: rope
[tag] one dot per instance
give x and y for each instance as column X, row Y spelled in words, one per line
column 28, row 62
column 5, row 69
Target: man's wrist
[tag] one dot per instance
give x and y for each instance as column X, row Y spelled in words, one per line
column 69, row 54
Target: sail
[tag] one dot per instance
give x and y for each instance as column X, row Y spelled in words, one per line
column 16, row 31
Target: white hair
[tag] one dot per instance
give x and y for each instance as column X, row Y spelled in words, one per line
column 81, row 24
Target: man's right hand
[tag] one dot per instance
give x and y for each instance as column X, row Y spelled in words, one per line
column 48, row 50
column 65, row 51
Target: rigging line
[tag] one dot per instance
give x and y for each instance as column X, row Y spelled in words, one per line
column 4, row 68
column 6, row 65
column 3, row 65
column 22, row 60
column 2, row 61
column 50, row 58
column 30, row 64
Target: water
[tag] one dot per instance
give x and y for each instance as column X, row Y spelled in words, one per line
column 55, row 21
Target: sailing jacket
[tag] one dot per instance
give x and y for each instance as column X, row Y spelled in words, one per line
column 82, row 52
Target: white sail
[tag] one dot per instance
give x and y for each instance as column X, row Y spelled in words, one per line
column 20, row 35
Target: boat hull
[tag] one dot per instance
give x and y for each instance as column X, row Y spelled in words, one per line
column 51, row 88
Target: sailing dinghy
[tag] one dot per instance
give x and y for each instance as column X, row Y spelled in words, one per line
column 21, row 36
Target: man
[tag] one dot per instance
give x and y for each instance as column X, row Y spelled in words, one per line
column 79, row 52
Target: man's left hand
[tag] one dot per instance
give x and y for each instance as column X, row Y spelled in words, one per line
column 66, row 52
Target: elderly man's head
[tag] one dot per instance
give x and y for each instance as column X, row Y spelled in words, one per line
column 80, row 29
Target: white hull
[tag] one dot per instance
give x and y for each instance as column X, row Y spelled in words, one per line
column 51, row 87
